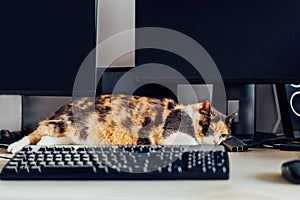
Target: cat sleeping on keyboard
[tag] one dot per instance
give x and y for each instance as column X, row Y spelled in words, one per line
column 130, row 120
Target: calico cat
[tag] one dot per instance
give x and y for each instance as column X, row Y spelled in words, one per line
column 129, row 120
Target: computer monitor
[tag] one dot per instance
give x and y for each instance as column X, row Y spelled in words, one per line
column 43, row 44
column 250, row 41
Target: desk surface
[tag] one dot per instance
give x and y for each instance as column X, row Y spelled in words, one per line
column 255, row 174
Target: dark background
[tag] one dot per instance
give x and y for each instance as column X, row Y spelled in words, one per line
column 251, row 41
column 43, row 44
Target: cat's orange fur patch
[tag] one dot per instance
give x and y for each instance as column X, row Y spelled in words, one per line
column 119, row 137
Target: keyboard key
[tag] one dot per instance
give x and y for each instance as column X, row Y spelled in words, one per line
column 35, row 170
column 9, row 170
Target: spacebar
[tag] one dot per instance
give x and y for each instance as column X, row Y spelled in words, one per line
column 68, row 170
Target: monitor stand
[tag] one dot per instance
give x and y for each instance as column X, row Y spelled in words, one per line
column 241, row 98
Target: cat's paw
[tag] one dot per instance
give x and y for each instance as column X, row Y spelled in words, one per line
column 17, row 146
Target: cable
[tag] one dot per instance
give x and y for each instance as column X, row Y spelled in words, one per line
column 287, row 144
column 5, row 147
column 279, row 140
column 4, row 157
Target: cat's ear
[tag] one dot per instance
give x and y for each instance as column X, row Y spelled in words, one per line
column 229, row 118
column 205, row 109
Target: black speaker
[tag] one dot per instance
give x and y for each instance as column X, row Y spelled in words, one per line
column 289, row 101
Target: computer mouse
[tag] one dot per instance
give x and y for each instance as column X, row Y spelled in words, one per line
column 291, row 171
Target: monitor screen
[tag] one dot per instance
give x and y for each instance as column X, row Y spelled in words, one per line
column 250, row 41
column 43, row 44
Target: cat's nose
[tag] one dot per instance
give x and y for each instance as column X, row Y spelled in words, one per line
column 216, row 141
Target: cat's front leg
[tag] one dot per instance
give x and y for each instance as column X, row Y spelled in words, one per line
column 17, row 146
column 31, row 139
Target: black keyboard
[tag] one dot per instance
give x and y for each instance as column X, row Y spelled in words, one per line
column 117, row 162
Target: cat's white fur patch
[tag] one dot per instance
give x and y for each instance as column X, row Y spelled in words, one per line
column 179, row 138
column 48, row 140
column 17, row 146
column 211, row 140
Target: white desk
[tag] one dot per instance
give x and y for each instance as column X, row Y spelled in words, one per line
column 255, row 174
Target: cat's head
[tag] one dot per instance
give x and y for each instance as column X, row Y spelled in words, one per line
column 212, row 126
